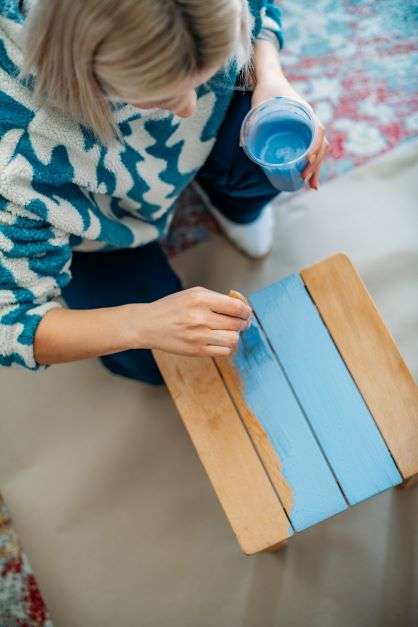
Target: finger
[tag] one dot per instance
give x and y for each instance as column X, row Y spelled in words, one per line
column 311, row 165
column 318, row 141
column 222, row 304
column 217, row 351
column 226, row 323
column 223, row 338
column 314, row 180
column 307, row 169
column 311, row 169
column 235, row 294
column 313, row 155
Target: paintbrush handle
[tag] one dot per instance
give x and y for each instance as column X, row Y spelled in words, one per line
column 241, row 297
column 235, row 294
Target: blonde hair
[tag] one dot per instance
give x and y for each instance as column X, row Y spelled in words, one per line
column 84, row 52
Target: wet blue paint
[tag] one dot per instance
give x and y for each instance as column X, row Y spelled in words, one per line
column 316, row 495
column 281, row 140
column 332, row 403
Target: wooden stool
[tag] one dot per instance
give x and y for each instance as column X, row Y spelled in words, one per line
column 315, row 411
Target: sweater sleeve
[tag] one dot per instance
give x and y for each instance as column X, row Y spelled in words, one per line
column 34, row 266
column 271, row 23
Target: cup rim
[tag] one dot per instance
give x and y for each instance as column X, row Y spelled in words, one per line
column 266, row 164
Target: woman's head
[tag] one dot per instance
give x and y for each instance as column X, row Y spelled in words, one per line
column 151, row 53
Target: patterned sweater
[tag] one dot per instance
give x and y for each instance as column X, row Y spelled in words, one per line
column 60, row 189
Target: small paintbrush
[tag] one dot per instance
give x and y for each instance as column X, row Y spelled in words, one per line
column 241, row 297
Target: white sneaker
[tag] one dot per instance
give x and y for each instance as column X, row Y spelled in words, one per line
column 255, row 239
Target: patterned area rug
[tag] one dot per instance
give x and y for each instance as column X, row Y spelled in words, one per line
column 355, row 61
column 21, row 604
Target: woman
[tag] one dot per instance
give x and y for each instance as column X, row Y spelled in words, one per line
column 109, row 108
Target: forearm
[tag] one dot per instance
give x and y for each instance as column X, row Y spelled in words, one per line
column 65, row 335
column 266, row 60
column 195, row 322
column 268, row 68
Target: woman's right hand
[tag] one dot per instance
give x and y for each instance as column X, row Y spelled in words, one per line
column 193, row 322
column 197, row 322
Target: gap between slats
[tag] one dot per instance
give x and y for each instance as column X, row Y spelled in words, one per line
column 277, row 358
column 351, row 377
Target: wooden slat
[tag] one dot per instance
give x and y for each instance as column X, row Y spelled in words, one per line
column 370, row 353
column 226, row 451
column 330, row 399
column 258, row 435
column 278, row 428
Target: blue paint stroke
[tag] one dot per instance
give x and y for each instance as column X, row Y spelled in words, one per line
column 331, row 401
column 316, row 495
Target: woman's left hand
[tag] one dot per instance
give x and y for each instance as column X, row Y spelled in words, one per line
column 265, row 90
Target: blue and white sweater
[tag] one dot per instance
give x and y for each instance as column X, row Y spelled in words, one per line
column 60, row 189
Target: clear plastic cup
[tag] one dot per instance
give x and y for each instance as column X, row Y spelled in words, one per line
column 278, row 135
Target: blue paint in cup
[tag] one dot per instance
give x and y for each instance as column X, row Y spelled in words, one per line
column 278, row 135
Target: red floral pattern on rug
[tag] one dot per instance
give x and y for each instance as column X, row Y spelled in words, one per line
column 356, row 62
column 21, row 603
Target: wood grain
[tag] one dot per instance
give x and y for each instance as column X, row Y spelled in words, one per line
column 370, row 353
column 278, row 428
column 332, row 404
column 258, row 435
column 226, row 452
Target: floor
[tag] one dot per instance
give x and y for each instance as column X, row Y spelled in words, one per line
column 354, row 60
column 114, row 509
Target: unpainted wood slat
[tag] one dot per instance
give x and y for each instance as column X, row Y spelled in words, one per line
column 226, row 452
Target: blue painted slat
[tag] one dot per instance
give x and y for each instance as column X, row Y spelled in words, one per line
column 315, row 493
column 331, row 400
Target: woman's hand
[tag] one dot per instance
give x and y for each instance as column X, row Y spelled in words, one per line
column 264, row 91
column 271, row 82
column 192, row 322
column 195, row 322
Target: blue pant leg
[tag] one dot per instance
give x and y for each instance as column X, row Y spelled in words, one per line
column 111, row 279
column 236, row 185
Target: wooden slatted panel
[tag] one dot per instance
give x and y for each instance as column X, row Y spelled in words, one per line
column 226, row 452
column 297, row 467
column 370, row 353
column 331, row 401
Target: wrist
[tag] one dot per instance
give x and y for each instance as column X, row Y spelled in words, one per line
column 271, row 74
column 277, row 86
column 272, row 81
column 136, row 323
